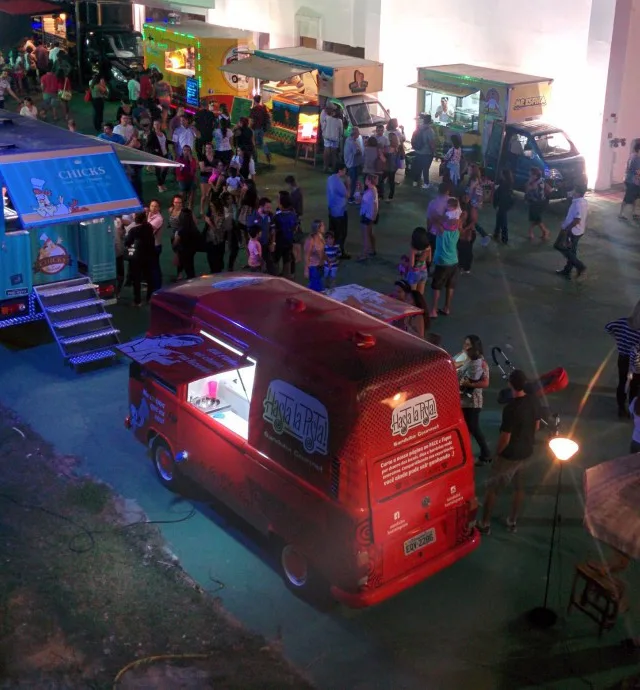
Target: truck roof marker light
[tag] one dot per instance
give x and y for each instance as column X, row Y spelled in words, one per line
column 296, row 305
column 364, row 340
column 222, row 343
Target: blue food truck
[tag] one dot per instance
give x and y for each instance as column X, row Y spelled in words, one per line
column 60, row 194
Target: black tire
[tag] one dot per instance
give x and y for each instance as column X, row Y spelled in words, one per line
column 301, row 577
column 165, row 465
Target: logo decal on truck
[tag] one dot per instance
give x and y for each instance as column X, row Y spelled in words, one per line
column 415, row 412
column 291, row 411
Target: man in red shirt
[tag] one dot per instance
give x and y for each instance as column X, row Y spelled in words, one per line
column 50, row 86
column 146, row 89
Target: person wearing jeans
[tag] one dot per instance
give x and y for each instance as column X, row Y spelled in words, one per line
column 337, row 194
column 574, row 225
column 472, row 404
column 626, row 332
column 353, row 159
column 260, row 121
column 424, row 144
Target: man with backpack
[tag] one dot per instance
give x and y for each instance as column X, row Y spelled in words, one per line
column 260, row 123
column 423, row 142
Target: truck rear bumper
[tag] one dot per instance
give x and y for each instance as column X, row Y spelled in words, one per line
column 371, row 597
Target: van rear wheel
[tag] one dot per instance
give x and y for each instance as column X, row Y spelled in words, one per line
column 165, row 465
column 301, row 577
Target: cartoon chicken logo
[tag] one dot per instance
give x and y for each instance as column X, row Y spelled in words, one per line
column 52, row 256
column 46, row 207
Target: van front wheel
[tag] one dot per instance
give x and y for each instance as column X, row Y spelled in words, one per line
column 165, row 465
column 295, row 567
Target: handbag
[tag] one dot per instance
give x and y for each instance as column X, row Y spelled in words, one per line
column 562, row 241
column 64, row 94
column 87, row 95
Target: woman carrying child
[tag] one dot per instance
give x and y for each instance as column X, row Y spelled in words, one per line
column 419, row 260
column 473, row 376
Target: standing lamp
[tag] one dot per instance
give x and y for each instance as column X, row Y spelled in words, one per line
column 563, row 450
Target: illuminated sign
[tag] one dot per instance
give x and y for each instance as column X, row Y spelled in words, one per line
column 193, row 92
column 308, row 126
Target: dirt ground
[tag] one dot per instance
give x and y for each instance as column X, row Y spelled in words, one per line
column 89, row 600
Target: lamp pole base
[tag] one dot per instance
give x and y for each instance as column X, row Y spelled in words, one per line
column 542, row 617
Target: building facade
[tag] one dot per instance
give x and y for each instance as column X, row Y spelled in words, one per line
column 585, row 46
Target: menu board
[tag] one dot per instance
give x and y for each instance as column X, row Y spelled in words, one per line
column 193, row 92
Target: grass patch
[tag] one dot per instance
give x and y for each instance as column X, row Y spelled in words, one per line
column 90, row 496
column 81, row 599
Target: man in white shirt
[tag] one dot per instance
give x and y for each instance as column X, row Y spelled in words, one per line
column 184, row 135
column 332, row 136
column 574, row 225
column 53, row 53
column 443, row 114
column 125, row 129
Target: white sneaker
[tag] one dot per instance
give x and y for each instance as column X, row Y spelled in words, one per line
column 485, row 241
column 415, row 184
column 426, row 186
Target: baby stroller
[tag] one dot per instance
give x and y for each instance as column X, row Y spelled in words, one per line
column 551, row 382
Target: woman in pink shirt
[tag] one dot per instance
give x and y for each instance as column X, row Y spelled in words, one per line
column 186, row 175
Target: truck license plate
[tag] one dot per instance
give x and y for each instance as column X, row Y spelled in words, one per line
column 419, row 541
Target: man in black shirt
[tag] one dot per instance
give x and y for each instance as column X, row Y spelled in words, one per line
column 520, row 420
column 205, row 122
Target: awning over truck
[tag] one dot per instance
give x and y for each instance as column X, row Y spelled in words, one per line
column 54, row 176
column 443, row 87
column 128, row 156
column 183, row 357
column 264, row 69
column 53, row 187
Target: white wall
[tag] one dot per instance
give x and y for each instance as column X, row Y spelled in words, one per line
column 550, row 38
column 340, row 21
column 622, row 111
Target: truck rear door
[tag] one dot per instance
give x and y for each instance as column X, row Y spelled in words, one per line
column 420, row 500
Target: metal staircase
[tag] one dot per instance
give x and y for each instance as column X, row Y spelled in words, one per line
column 78, row 320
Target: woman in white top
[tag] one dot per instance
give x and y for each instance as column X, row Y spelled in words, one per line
column 28, row 109
column 155, row 219
column 223, row 137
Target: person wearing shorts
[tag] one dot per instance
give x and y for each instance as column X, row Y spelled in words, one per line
column 520, row 421
column 445, row 261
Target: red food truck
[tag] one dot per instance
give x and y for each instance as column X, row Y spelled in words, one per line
column 335, row 434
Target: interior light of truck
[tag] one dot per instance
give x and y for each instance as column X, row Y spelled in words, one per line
column 222, row 343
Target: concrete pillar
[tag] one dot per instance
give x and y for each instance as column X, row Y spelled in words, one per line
column 622, row 101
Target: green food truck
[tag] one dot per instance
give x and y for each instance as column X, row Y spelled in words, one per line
column 499, row 117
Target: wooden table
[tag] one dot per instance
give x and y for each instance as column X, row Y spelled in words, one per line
column 383, row 307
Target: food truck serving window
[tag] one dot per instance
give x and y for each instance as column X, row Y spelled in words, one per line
column 218, row 377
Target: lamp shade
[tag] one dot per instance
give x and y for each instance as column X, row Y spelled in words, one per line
column 563, row 448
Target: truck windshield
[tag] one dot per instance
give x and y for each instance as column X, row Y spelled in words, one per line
column 555, row 145
column 123, row 45
column 367, row 114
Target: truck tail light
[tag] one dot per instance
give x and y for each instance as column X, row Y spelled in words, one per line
column 107, row 290
column 13, row 309
column 466, row 520
column 368, row 557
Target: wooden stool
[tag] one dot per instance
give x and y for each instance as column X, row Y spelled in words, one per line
column 601, row 597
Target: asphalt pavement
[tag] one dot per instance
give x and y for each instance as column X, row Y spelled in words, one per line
column 463, row 628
